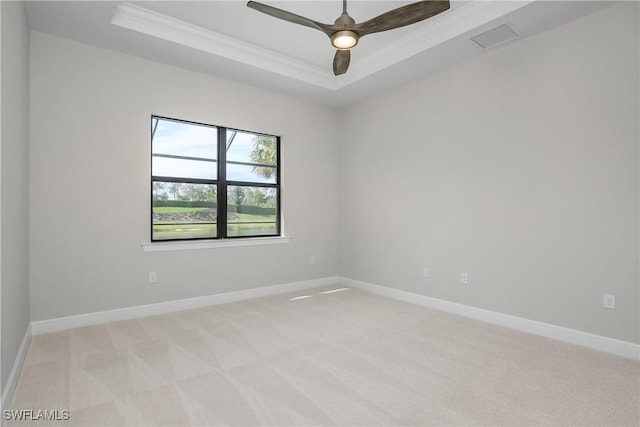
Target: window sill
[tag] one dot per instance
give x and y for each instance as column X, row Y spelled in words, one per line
column 210, row 244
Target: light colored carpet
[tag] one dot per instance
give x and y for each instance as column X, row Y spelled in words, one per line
column 339, row 358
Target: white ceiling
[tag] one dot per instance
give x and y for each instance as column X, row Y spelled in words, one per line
column 229, row 40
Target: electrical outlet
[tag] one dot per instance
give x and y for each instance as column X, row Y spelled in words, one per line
column 153, row 277
column 312, row 260
column 425, row 272
column 609, row 301
column 464, row 278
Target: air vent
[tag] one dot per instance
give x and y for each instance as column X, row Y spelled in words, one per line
column 495, row 36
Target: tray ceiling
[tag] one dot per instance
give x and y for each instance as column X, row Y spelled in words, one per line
column 229, row 40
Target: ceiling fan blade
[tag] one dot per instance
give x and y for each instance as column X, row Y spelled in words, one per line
column 341, row 61
column 402, row 16
column 288, row 16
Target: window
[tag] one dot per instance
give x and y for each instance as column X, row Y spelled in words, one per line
column 212, row 182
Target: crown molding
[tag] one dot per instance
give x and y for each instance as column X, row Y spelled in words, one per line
column 434, row 32
column 164, row 27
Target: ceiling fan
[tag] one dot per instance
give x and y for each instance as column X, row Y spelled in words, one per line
column 345, row 33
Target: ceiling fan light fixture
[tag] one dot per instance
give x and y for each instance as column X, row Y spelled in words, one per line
column 344, row 40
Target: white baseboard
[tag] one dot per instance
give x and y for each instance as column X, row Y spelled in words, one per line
column 14, row 375
column 571, row 336
column 70, row 322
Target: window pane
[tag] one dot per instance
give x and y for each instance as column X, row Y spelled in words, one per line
column 175, row 145
column 184, row 211
column 251, row 157
column 252, row 211
column 179, row 168
column 251, row 173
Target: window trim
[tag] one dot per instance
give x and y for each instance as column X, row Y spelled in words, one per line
column 183, row 245
column 222, row 185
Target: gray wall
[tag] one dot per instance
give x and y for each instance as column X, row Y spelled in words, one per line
column 519, row 168
column 90, row 156
column 14, row 179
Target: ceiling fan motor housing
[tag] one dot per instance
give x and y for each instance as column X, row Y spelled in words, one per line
column 345, row 38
